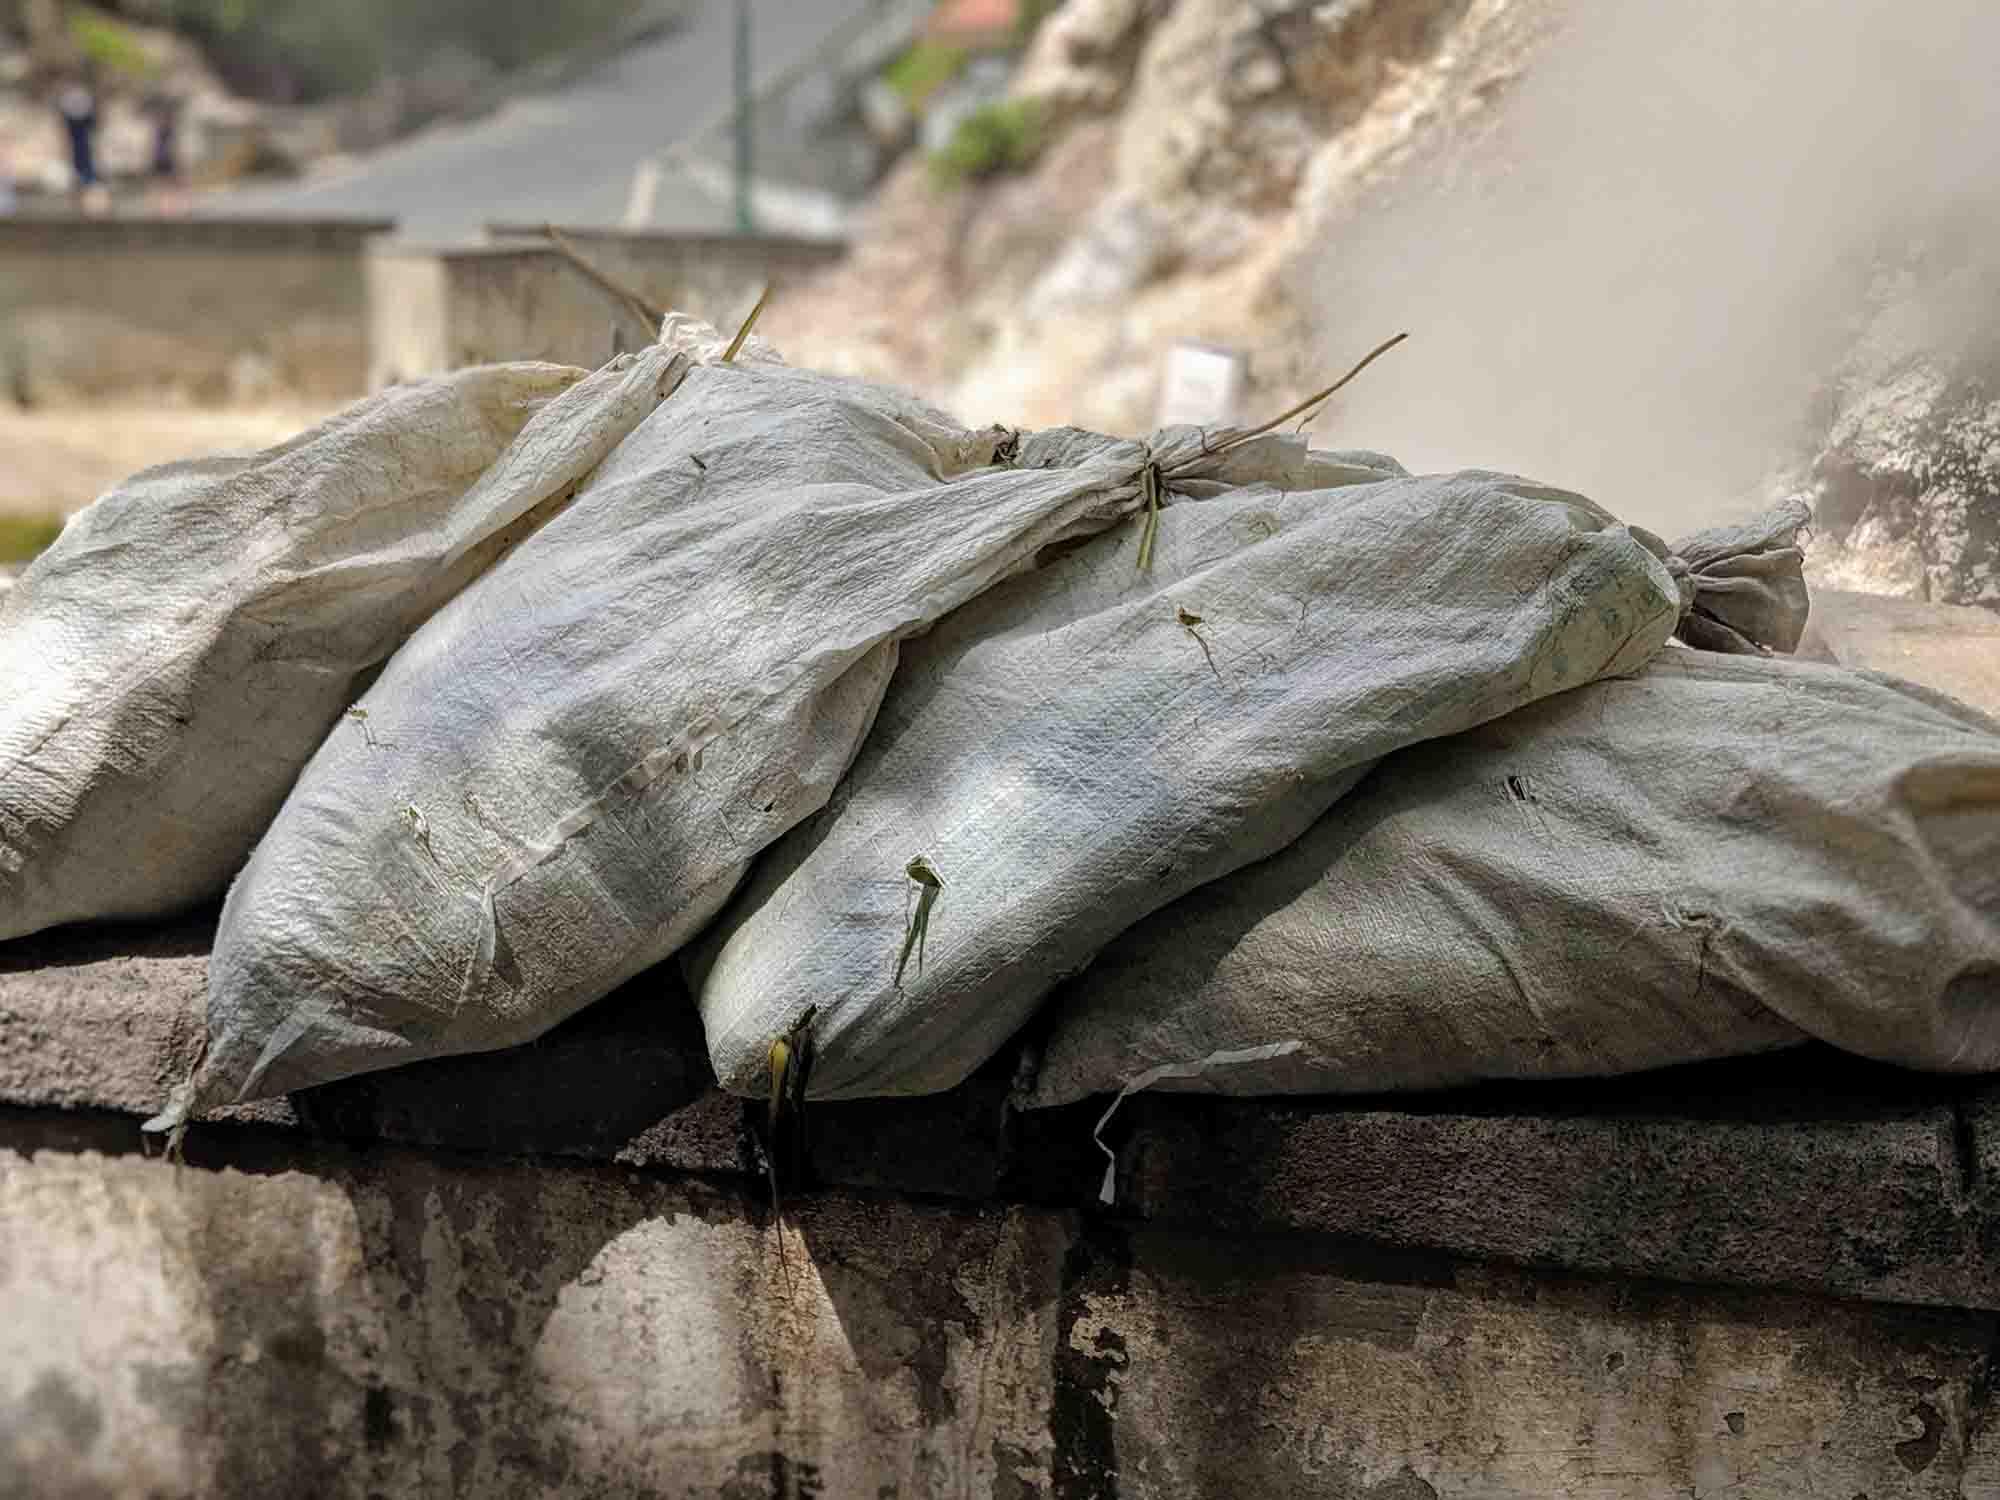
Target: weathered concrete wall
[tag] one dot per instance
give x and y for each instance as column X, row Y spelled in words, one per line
column 305, row 1320
column 203, row 308
column 553, row 1270
column 1227, row 1368
column 318, row 1323
column 1714, row 1174
column 438, row 309
column 409, row 328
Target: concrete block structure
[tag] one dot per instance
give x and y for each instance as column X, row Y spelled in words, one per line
column 97, row 308
column 438, row 308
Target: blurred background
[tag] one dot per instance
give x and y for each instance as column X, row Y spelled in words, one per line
column 1686, row 259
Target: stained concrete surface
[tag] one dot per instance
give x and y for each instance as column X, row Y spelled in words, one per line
column 316, row 1322
column 147, row 309
column 1712, row 1174
column 1232, row 1368
column 554, row 1270
column 306, row 1319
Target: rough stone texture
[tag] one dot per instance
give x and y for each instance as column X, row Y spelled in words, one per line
column 1906, row 480
column 100, row 1018
column 1869, row 557
column 1081, row 56
column 1951, row 648
column 1803, row 1172
column 1931, row 482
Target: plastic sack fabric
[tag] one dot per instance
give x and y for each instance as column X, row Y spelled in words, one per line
column 573, row 763
column 173, row 660
column 1718, row 856
column 1089, row 742
column 1743, row 585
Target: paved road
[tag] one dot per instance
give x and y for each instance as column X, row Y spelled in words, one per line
column 567, row 155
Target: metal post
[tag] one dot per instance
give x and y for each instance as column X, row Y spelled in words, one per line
column 744, row 222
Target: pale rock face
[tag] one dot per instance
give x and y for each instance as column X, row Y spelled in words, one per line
column 1906, row 485
column 1870, row 559
column 1081, row 56
column 1200, row 148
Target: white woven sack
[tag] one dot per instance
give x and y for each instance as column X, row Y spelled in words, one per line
column 1087, row 743
column 574, row 762
column 170, row 663
column 1718, row 856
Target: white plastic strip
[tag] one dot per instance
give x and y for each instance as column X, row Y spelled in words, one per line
column 1234, row 1058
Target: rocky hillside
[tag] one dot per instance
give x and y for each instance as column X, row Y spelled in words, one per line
column 1906, row 482
column 1193, row 150
column 1209, row 168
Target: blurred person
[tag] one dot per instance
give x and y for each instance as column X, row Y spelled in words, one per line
column 77, row 104
column 167, row 195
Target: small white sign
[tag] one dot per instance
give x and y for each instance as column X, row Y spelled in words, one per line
column 1201, row 386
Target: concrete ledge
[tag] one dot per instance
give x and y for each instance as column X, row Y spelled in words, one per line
column 313, row 1321
column 55, row 232
column 437, row 308
column 810, row 250
column 1801, row 1170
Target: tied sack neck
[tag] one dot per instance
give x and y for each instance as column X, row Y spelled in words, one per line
column 1743, row 586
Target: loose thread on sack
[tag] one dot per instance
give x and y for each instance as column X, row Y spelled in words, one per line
column 180, row 1105
column 1153, row 478
column 1191, row 623
column 928, row 883
column 1149, row 485
column 1306, row 408
column 420, row 829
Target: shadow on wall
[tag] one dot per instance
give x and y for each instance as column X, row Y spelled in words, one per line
column 289, row 1316
column 319, row 1322
column 309, row 1323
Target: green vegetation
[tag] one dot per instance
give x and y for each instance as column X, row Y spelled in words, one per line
column 108, row 44
column 1005, row 136
column 923, row 69
column 22, row 537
